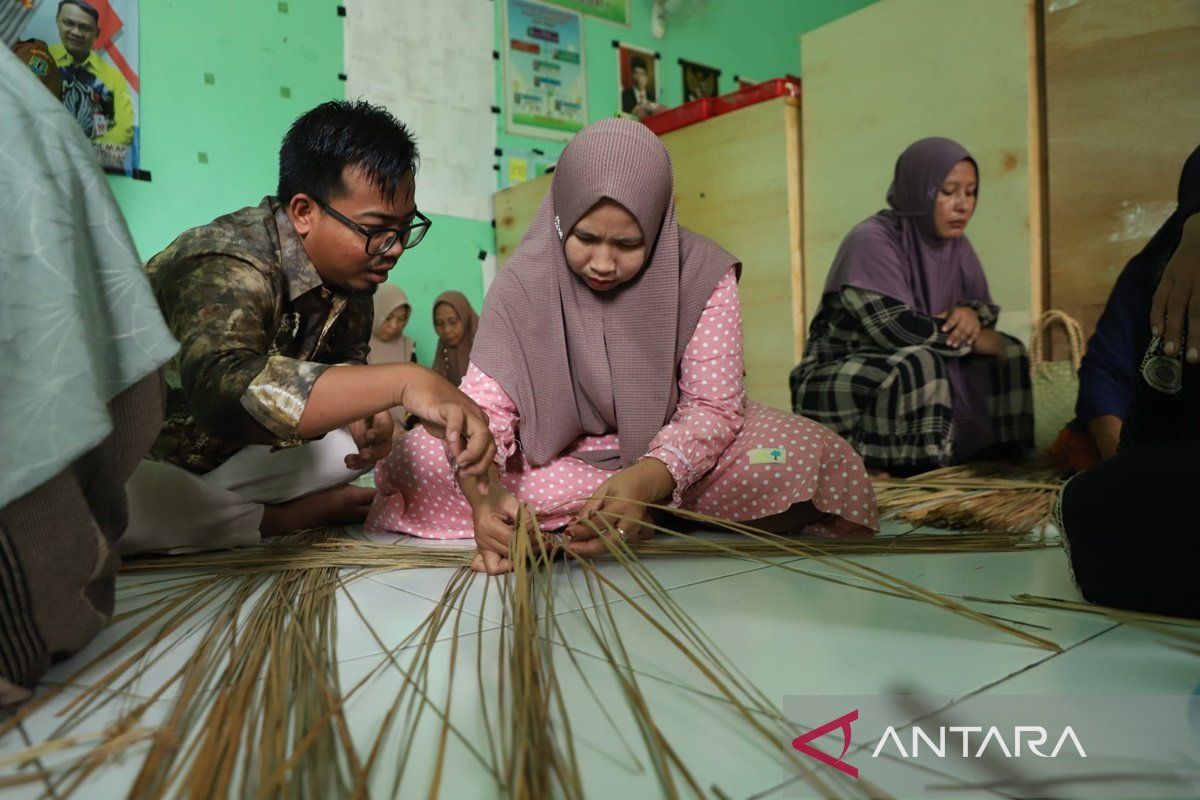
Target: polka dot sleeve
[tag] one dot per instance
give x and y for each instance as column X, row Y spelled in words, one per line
column 712, row 401
column 503, row 418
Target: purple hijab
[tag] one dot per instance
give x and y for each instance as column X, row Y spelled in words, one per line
column 576, row 361
column 897, row 253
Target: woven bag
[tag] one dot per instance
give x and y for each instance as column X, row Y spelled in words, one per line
column 1055, row 383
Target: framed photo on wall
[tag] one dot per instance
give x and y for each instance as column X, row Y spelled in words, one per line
column 545, row 80
column 637, row 81
column 94, row 45
column 699, row 80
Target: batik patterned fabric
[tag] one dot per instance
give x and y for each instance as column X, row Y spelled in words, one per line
column 257, row 328
column 97, row 94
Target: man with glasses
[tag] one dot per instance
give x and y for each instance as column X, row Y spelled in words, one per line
column 271, row 409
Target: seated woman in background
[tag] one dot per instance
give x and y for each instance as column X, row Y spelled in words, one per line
column 455, row 322
column 1130, row 523
column 1109, row 370
column 389, row 345
column 609, row 363
column 903, row 358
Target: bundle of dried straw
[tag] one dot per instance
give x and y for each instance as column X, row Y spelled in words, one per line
column 259, row 708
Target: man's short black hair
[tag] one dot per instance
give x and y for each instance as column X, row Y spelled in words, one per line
column 340, row 134
column 87, row 7
column 638, row 61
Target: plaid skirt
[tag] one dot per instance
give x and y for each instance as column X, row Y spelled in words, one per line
column 897, row 410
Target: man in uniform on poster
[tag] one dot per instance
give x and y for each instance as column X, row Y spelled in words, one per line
column 94, row 91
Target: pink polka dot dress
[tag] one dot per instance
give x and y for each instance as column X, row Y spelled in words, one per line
column 730, row 458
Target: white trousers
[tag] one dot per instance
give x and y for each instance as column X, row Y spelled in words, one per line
column 173, row 510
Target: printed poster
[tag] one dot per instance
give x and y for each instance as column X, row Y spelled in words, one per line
column 545, row 84
column 95, row 46
column 616, row 11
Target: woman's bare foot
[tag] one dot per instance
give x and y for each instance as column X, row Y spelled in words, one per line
column 341, row 505
column 879, row 473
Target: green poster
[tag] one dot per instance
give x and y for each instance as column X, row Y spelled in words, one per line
column 608, row 10
column 545, row 79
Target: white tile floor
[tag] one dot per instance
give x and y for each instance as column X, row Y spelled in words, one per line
column 789, row 633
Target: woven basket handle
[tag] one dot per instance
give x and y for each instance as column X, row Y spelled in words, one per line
column 1041, row 328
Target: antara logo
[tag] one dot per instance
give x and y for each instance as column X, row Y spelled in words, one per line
column 1033, row 736
column 801, row 743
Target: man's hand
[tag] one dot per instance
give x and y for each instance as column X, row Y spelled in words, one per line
column 449, row 414
column 374, row 439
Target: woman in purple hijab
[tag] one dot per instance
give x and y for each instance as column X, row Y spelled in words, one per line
column 609, row 362
column 903, row 358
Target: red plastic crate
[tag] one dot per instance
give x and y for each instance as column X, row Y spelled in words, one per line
column 687, row 114
column 758, row 93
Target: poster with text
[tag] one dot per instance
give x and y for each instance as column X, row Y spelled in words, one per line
column 95, row 45
column 637, row 81
column 699, row 80
column 608, row 10
column 545, row 84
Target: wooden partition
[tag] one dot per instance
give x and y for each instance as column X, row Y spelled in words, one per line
column 900, row 70
column 737, row 181
column 1122, row 114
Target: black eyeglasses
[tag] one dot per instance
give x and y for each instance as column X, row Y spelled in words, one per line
column 380, row 240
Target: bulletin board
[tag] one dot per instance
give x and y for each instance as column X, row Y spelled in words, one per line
column 545, row 71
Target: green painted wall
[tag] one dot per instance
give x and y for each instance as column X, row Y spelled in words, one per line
column 256, row 54
column 755, row 38
column 252, row 52
column 212, row 147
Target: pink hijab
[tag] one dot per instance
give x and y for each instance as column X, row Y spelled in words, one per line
column 578, row 362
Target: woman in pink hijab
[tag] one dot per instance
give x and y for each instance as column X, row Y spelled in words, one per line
column 609, row 361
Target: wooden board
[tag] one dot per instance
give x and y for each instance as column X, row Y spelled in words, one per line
column 737, row 181
column 1122, row 113
column 732, row 185
column 899, row 70
column 515, row 206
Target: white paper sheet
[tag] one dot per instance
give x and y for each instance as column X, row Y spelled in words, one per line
column 431, row 65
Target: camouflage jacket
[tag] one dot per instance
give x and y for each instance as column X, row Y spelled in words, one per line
column 257, row 328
